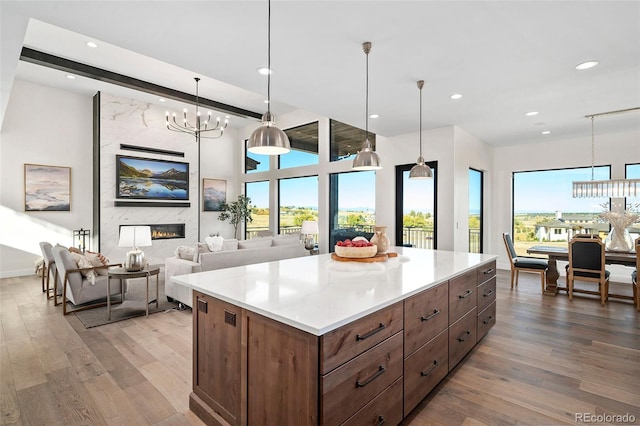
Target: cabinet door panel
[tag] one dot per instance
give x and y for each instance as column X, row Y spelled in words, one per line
column 486, row 271
column 486, row 293
column 462, row 338
column 347, row 389
column 424, row 369
column 486, row 320
column 386, row 409
column 462, row 295
column 425, row 316
column 348, row 341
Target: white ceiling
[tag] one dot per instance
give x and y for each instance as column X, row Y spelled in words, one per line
column 506, row 57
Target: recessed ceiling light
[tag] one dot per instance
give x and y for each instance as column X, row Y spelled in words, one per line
column 71, row 77
column 264, row 71
column 546, row 132
column 586, row 65
column 92, row 44
column 227, row 116
column 456, row 96
column 161, row 99
column 531, row 113
column 374, row 116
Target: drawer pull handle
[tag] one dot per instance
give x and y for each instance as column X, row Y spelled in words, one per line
column 370, row 379
column 381, row 420
column 488, row 294
column 435, row 365
column 427, row 318
column 464, row 337
column 466, row 294
column 489, row 271
column 488, row 320
column 371, row 333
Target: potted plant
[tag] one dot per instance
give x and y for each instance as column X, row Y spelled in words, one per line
column 237, row 212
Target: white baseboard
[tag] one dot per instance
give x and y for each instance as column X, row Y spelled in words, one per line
column 17, row 273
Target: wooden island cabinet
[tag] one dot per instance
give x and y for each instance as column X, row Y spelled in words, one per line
column 308, row 342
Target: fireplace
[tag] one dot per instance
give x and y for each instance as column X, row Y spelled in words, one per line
column 167, row 231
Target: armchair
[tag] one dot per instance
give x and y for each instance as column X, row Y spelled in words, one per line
column 524, row 263
column 634, row 277
column 587, row 263
column 47, row 267
column 75, row 287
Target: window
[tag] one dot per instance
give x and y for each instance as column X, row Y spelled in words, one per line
column 475, row 211
column 544, row 209
column 255, row 162
column 416, row 221
column 345, row 141
column 298, row 202
column 304, row 146
column 258, row 192
column 352, row 201
column 632, row 171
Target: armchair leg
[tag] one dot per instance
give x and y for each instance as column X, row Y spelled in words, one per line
column 55, row 288
column 513, row 271
column 570, row 287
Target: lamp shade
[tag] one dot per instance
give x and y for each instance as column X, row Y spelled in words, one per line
column 135, row 236
column 309, row 227
column 420, row 170
column 269, row 140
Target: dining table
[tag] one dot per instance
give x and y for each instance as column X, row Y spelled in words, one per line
column 555, row 253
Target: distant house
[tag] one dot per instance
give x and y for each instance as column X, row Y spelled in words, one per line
column 564, row 228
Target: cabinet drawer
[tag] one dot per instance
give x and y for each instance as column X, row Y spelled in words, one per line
column 425, row 316
column 486, row 293
column 424, row 369
column 348, row 341
column 347, row 389
column 486, row 320
column 385, row 408
column 486, row 271
column 462, row 338
column 462, row 295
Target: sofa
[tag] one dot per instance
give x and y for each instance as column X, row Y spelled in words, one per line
column 226, row 254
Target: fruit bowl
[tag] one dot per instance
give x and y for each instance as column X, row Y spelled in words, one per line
column 356, row 252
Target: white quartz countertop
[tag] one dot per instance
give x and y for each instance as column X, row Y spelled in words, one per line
column 318, row 294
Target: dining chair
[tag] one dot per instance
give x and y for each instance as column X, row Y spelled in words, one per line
column 77, row 288
column 587, row 263
column 634, row 277
column 524, row 263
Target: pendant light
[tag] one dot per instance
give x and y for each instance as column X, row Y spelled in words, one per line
column 268, row 139
column 611, row 188
column 366, row 159
column 420, row 170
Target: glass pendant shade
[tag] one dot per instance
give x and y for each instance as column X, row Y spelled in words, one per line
column 268, row 139
column 420, row 170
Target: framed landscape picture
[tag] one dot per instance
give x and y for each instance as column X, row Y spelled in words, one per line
column 214, row 193
column 47, row 188
column 149, row 179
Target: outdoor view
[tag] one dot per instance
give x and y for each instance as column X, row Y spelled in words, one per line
column 545, row 212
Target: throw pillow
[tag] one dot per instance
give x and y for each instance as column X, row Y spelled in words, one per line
column 199, row 249
column 286, row 240
column 83, row 262
column 255, row 243
column 184, row 252
column 214, row 243
column 230, row 244
column 97, row 259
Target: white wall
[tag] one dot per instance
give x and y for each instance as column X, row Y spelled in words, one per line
column 42, row 125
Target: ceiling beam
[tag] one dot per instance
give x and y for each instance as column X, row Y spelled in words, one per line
column 88, row 71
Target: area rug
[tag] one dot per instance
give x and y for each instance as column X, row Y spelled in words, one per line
column 135, row 291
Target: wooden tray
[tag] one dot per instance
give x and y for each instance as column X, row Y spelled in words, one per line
column 377, row 258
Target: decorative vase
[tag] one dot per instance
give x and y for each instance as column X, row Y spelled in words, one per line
column 380, row 239
column 619, row 240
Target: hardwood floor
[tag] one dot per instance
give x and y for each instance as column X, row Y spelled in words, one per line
column 545, row 360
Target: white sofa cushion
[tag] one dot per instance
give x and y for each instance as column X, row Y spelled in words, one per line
column 286, row 240
column 255, row 243
column 230, row 244
column 184, row 252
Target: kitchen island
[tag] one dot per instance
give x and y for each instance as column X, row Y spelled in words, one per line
column 315, row 341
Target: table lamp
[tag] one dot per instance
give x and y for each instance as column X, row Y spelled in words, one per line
column 309, row 229
column 135, row 236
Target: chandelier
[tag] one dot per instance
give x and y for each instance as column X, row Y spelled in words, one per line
column 199, row 128
column 611, row 188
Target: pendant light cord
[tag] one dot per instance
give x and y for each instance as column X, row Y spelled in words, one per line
column 366, row 108
column 420, row 86
column 269, row 59
column 593, row 144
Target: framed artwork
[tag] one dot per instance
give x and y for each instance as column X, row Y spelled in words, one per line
column 149, row 179
column 214, row 193
column 47, row 188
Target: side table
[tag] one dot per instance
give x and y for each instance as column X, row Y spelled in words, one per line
column 123, row 274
